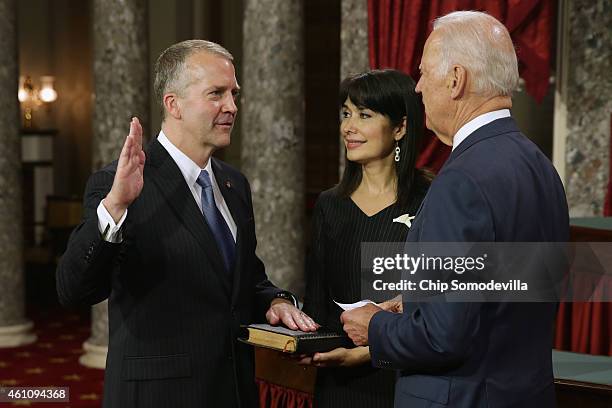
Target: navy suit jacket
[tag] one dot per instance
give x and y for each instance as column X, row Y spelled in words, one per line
column 496, row 186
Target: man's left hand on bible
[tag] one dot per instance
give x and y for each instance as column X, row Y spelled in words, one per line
column 283, row 311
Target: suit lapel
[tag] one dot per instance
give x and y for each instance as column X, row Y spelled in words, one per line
column 237, row 208
column 171, row 183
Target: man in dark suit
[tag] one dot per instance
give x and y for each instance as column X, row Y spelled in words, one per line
column 495, row 187
column 169, row 238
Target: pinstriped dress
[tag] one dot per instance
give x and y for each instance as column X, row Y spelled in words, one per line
column 333, row 267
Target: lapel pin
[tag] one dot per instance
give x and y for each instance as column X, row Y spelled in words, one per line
column 228, row 184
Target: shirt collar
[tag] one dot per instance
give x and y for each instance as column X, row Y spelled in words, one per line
column 477, row 123
column 188, row 167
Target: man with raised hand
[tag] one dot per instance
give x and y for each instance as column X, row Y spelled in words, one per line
column 168, row 236
column 496, row 186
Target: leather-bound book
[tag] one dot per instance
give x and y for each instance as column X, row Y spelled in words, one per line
column 293, row 341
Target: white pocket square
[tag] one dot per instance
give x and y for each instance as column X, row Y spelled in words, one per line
column 405, row 219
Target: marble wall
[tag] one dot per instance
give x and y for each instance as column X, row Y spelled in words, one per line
column 588, row 97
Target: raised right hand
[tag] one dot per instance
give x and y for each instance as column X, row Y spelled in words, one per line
column 129, row 180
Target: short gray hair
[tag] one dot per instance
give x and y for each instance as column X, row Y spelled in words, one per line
column 171, row 64
column 482, row 45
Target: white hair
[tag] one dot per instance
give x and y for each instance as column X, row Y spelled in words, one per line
column 482, row 45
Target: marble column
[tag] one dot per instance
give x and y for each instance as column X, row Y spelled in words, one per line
column 121, row 84
column 354, row 54
column 15, row 329
column 587, row 94
column 273, row 134
column 121, row 74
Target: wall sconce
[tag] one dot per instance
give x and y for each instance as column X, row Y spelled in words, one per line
column 32, row 97
column 47, row 93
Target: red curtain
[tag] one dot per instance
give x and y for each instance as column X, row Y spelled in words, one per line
column 587, row 327
column 398, row 30
column 275, row 396
column 584, row 328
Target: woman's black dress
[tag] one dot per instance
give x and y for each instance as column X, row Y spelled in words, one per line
column 333, row 273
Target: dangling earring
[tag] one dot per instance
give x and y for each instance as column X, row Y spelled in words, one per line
column 397, row 152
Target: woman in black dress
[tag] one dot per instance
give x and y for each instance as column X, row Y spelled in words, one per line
column 381, row 123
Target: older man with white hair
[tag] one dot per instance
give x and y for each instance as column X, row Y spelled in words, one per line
column 495, row 187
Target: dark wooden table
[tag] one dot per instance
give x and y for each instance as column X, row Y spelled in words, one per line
column 582, row 380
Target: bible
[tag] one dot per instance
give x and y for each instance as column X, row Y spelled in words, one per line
column 293, row 341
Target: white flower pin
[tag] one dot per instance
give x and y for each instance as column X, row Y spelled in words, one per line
column 405, row 219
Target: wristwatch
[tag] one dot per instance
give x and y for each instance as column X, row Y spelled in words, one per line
column 287, row 296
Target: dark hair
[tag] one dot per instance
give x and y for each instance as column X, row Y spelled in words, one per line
column 390, row 93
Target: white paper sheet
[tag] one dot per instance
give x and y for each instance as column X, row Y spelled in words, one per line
column 351, row 306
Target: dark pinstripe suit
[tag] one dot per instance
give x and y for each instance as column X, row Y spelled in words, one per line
column 173, row 309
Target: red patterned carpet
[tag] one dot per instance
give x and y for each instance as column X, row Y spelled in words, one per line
column 53, row 361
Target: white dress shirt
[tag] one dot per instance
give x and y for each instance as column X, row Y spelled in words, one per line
column 190, row 171
column 477, row 123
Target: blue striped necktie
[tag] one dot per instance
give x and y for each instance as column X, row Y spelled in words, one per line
column 214, row 219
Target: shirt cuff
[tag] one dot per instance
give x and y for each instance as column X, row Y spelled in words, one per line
column 284, row 294
column 110, row 231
